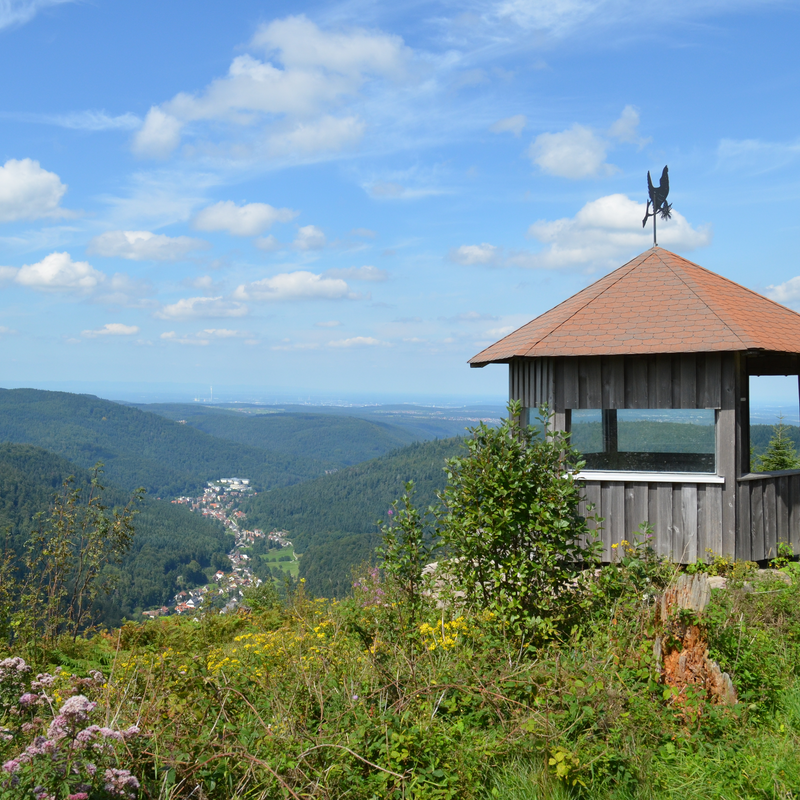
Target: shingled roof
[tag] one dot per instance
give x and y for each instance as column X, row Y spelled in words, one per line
column 656, row 303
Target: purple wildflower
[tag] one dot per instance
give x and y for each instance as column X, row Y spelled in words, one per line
column 12, row 765
column 120, row 783
column 29, row 699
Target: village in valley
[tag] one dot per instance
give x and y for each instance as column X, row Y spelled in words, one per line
column 220, row 500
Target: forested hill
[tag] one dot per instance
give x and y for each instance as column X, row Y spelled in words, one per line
column 331, row 520
column 139, row 448
column 341, row 440
column 169, row 541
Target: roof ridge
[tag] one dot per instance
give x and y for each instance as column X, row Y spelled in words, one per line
column 588, row 302
column 699, row 296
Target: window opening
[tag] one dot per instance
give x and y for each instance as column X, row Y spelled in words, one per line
column 773, row 413
column 646, row 440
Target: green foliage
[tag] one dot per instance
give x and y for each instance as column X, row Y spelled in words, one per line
column 512, row 527
column 138, row 448
column 761, row 434
column 330, row 438
column 168, row 537
column 332, row 520
column 780, row 452
column 406, row 549
column 63, row 568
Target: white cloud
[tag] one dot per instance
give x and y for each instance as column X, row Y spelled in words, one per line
column 144, row 246
column 269, row 244
column 325, row 135
column 172, row 336
column 470, row 316
column 122, row 290
column 367, row 273
column 309, row 237
column 604, row 231
column 626, row 127
column 513, row 125
column 316, row 71
column 329, row 324
column 222, row 333
column 199, row 307
column 18, row 12
column 787, row 293
column 470, row 254
column 755, row 154
column 574, row 153
column 300, row 285
column 90, row 120
column 56, row 272
column 29, row 192
column 387, row 189
column 365, row 233
column 4, row 331
column 288, row 344
column 251, row 219
column 112, row 329
column 358, row 341
column 159, row 135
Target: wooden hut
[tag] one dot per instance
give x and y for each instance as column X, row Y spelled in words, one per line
column 649, row 369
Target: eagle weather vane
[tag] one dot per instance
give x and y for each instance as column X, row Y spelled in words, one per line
column 658, row 201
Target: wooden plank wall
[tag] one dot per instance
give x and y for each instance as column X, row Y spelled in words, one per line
column 688, row 519
column 769, row 512
column 658, row 381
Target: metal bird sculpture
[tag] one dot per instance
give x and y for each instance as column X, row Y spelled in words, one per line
column 657, row 200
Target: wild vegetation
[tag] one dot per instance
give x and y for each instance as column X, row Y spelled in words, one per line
column 333, row 519
column 170, row 542
column 416, row 686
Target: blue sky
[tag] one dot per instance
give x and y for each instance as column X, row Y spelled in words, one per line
column 356, row 197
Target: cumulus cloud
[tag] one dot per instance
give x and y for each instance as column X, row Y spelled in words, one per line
column 144, row 246
column 626, row 128
column 300, row 285
column 56, row 272
column 357, row 341
column 470, row 316
column 159, row 135
column 251, row 219
column 298, row 74
column 574, row 153
column 325, row 135
column 367, row 273
column 269, row 244
column 580, row 152
column 514, row 125
column 604, row 231
column 787, row 293
column 199, row 307
column 309, row 237
column 470, row 254
column 112, row 329
column 29, row 192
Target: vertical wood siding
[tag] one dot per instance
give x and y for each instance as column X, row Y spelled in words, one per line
column 662, row 381
column 769, row 512
column 688, row 519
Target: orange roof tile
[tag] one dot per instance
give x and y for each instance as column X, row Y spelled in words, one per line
column 656, row 303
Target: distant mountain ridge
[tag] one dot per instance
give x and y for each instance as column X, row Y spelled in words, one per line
column 139, row 448
column 331, row 438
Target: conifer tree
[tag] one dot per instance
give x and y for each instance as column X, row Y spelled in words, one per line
column 780, row 453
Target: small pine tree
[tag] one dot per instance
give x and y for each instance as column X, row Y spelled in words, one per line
column 780, row 453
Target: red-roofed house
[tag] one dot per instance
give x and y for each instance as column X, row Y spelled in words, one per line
column 649, row 369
